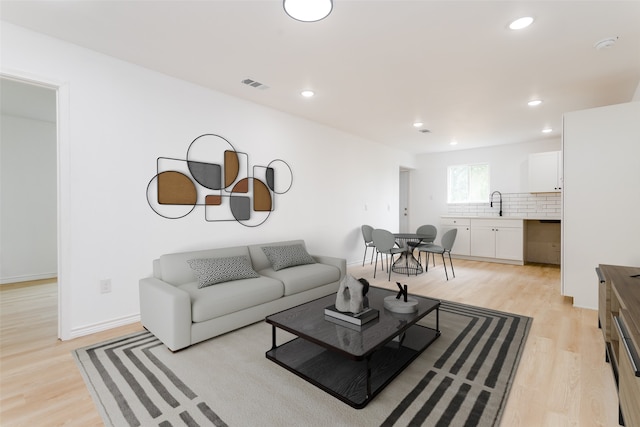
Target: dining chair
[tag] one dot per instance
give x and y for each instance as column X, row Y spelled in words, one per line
column 431, row 232
column 367, row 232
column 446, row 243
column 385, row 244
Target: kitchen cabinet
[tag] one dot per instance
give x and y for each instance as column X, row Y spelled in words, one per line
column 545, row 172
column 497, row 238
column 462, row 244
column 618, row 318
column 488, row 239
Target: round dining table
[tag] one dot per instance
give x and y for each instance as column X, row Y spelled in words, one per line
column 407, row 262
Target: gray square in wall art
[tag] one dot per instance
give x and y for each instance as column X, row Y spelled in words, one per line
column 241, row 208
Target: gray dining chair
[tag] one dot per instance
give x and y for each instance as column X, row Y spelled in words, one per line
column 431, row 232
column 367, row 235
column 385, row 244
column 446, row 243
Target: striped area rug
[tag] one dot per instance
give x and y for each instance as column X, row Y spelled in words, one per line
column 462, row 379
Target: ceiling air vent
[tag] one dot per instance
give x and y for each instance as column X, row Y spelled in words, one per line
column 424, row 131
column 255, row 84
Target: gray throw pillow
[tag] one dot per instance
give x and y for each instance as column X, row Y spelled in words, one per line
column 287, row 256
column 210, row 271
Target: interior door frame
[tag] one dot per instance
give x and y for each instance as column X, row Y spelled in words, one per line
column 63, row 200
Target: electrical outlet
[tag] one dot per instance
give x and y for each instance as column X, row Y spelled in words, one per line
column 105, row 286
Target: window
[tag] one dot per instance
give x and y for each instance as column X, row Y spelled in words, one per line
column 468, row 183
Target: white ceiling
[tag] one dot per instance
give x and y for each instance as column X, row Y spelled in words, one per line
column 377, row 66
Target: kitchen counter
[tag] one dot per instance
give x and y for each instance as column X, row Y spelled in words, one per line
column 524, row 218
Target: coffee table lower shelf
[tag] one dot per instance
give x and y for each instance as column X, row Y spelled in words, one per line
column 355, row 382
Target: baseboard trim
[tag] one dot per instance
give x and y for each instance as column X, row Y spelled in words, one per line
column 29, row 278
column 103, row 326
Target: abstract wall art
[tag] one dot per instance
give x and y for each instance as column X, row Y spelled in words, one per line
column 218, row 178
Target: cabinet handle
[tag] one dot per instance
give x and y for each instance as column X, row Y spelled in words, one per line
column 624, row 338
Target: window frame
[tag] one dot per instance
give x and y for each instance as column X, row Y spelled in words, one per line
column 468, row 167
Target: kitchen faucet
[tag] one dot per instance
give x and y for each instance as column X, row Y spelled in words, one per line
column 491, row 200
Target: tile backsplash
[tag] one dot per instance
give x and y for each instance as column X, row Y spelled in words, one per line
column 524, row 205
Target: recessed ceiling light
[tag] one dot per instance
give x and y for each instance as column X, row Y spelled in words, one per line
column 417, row 124
column 307, row 93
column 534, row 102
column 521, row 23
column 453, row 142
column 547, row 130
column 308, row 11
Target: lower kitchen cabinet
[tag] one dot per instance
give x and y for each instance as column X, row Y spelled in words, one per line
column 489, row 239
column 462, row 245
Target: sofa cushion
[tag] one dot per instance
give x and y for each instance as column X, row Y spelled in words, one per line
column 304, row 277
column 287, row 256
column 210, row 271
column 175, row 270
column 228, row 297
column 258, row 257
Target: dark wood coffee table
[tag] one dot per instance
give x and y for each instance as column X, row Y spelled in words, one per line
column 352, row 363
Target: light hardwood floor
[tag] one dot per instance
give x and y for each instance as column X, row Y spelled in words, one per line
column 562, row 379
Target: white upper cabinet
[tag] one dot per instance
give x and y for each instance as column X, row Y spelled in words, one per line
column 545, row 172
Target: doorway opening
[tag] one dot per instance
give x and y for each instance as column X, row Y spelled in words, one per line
column 29, row 198
column 403, row 204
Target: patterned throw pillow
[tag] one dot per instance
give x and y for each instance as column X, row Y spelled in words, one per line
column 287, row 256
column 210, row 271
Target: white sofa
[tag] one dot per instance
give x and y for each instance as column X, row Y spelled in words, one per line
column 180, row 314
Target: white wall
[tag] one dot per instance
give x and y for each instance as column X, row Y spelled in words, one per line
column 508, row 165
column 119, row 118
column 601, row 149
column 28, row 202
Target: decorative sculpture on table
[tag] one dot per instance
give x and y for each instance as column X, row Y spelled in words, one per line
column 352, row 305
column 351, row 296
column 405, row 305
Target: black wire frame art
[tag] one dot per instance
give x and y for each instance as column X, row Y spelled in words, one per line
column 217, row 177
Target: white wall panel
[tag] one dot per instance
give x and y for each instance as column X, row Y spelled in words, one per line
column 601, row 149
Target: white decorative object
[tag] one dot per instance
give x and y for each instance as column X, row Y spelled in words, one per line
column 395, row 305
column 401, row 303
column 350, row 295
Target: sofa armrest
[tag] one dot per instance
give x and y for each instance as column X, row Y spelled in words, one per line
column 339, row 263
column 166, row 312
